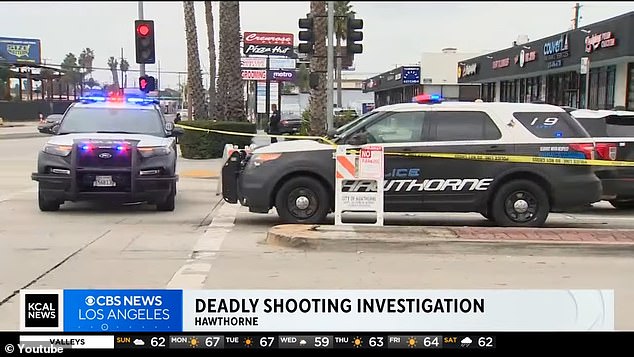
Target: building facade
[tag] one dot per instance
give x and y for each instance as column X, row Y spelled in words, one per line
column 553, row 69
column 436, row 74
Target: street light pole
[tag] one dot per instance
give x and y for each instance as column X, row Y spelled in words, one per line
column 140, row 16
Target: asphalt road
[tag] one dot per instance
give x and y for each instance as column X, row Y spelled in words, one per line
column 204, row 244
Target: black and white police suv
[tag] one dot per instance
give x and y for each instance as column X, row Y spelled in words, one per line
column 613, row 132
column 298, row 177
column 109, row 148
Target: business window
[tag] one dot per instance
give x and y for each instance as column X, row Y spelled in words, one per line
column 630, row 87
column 602, row 82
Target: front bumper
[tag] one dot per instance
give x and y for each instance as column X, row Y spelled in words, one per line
column 249, row 190
column 56, row 187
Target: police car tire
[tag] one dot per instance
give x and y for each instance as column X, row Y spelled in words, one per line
column 169, row 203
column 498, row 212
column 319, row 192
column 46, row 205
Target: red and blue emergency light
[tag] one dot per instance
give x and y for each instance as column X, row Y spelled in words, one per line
column 116, row 98
column 427, row 99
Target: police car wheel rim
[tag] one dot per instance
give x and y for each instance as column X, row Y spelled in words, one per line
column 521, row 206
column 300, row 195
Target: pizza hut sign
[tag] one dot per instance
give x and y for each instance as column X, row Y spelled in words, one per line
column 600, row 40
column 268, row 38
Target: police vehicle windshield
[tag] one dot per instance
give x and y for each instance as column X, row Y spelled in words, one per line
column 112, row 120
column 353, row 124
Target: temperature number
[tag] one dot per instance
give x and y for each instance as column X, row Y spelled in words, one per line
column 431, row 341
column 485, row 342
column 157, row 342
column 322, row 342
column 212, row 341
column 376, row 342
column 266, row 341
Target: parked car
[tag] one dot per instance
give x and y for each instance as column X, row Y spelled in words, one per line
column 51, row 121
column 613, row 132
column 290, row 122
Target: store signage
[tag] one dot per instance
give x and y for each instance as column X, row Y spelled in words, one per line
column 282, row 75
column 268, row 38
column 555, row 64
column 254, row 74
column 501, row 63
column 273, row 50
column 600, row 40
column 556, row 49
column 410, row 75
column 525, row 57
column 466, row 70
column 253, row 62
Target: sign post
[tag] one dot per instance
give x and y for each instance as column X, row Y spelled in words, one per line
column 359, row 179
column 585, row 69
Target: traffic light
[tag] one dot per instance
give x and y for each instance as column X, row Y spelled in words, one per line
column 306, row 35
column 147, row 83
column 354, row 35
column 144, row 36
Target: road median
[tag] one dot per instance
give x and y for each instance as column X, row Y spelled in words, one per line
column 444, row 239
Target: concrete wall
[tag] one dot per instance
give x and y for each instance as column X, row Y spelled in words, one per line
column 442, row 68
column 620, row 85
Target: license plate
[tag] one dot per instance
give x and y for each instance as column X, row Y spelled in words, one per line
column 104, row 181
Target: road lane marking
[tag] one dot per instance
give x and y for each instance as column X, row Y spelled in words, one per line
column 193, row 274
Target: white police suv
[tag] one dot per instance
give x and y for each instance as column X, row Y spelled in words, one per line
column 115, row 148
column 298, row 177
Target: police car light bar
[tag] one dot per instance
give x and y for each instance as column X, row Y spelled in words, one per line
column 119, row 99
column 427, row 99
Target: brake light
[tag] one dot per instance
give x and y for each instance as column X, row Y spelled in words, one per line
column 606, row 151
column 587, row 149
column 284, row 122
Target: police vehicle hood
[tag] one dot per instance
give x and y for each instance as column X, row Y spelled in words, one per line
column 144, row 140
column 293, row 146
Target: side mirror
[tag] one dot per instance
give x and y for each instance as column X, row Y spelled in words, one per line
column 169, row 126
column 359, row 138
column 55, row 129
column 331, row 132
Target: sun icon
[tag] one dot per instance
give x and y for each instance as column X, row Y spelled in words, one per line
column 357, row 342
column 194, row 342
column 248, row 342
column 411, row 342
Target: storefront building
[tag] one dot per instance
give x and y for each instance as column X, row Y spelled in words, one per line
column 551, row 70
column 399, row 85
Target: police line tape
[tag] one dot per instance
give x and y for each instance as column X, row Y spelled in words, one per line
column 511, row 158
column 470, row 157
column 306, row 137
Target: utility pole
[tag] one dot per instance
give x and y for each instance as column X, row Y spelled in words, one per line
column 575, row 23
column 331, row 52
column 121, row 61
column 140, row 17
column 158, row 79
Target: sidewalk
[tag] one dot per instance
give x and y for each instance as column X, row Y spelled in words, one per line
column 450, row 239
column 20, row 130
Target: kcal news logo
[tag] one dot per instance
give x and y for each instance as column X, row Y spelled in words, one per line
column 41, row 310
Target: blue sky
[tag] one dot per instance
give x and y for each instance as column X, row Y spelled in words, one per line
column 395, row 33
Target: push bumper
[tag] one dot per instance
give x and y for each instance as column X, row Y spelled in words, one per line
column 61, row 188
column 253, row 192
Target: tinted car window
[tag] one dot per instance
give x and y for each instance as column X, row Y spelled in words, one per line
column 620, row 126
column 454, row 126
column 594, row 126
column 90, row 120
column 399, row 127
column 551, row 125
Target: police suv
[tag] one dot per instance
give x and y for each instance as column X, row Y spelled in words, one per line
column 298, row 177
column 117, row 148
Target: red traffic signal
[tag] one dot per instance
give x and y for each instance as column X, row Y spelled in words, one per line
column 143, row 29
column 144, row 41
column 147, row 83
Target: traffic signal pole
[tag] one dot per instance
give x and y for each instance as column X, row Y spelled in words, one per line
column 140, row 17
column 329, row 86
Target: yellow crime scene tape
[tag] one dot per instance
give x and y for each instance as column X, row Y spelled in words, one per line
column 471, row 157
column 187, row 127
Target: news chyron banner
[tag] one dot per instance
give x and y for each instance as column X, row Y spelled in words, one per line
column 315, row 310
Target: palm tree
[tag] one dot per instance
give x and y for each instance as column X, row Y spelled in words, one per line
column 124, row 66
column 212, row 59
column 46, row 76
column 318, row 63
column 5, row 80
column 113, row 64
column 86, row 58
column 303, row 78
column 71, row 72
column 194, row 73
column 342, row 8
column 230, row 86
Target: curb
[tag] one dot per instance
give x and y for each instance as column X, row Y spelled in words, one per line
column 22, row 135
column 428, row 240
